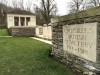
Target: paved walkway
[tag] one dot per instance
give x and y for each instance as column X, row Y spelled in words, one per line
column 42, row 40
column 45, row 41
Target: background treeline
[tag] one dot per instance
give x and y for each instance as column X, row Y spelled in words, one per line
column 78, row 5
column 45, row 10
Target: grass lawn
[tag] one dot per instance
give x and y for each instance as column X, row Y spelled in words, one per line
column 25, row 56
column 3, row 32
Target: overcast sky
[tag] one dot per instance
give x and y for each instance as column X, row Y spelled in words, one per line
column 62, row 6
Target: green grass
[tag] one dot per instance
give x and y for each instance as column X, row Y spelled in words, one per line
column 25, row 56
column 3, row 32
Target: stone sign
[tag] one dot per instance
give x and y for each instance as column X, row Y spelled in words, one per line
column 81, row 40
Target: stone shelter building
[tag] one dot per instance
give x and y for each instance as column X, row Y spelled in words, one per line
column 21, row 18
column 21, row 22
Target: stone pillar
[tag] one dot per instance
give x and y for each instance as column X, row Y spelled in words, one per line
column 25, row 21
column 49, row 32
column 19, row 22
column 45, row 32
column 13, row 21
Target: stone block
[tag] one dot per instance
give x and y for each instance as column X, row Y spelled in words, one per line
column 22, row 31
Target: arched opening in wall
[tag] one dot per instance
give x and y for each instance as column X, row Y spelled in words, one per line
column 27, row 21
column 16, row 21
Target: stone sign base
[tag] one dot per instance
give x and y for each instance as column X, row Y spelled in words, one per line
column 66, row 51
column 22, row 31
column 76, row 40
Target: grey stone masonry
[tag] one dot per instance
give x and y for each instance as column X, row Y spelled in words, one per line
column 22, row 31
column 73, row 61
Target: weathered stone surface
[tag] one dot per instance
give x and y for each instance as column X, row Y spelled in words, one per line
column 71, row 60
column 22, row 31
column 77, row 40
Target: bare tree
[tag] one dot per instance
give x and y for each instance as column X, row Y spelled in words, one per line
column 39, row 18
column 18, row 4
column 98, row 1
column 3, row 11
column 95, row 2
column 75, row 5
column 90, row 3
column 4, row 2
column 28, row 5
column 46, row 9
column 21, row 4
column 15, row 4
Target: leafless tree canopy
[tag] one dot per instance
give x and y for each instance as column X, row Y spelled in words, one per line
column 44, row 12
column 28, row 5
column 47, row 9
column 10, row 5
column 77, row 5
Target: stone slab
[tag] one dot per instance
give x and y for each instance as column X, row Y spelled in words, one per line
column 81, row 40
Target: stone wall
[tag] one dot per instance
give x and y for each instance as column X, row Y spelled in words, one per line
column 22, row 31
column 44, row 31
column 75, row 62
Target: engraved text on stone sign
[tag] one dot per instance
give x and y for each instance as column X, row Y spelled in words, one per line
column 80, row 40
